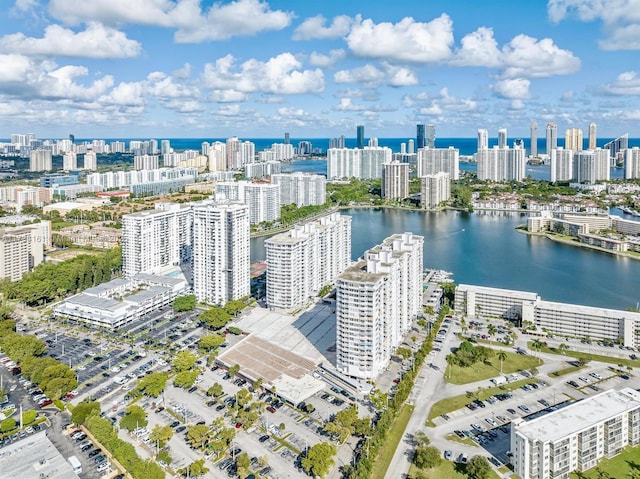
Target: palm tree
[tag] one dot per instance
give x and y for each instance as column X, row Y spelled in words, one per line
column 502, row 355
column 450, row 358
column 463, row 325
column 537, row 344
column 563, row 347
column 491, row 329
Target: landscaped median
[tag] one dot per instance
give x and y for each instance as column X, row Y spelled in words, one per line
column 393, row 439
column 634, row 363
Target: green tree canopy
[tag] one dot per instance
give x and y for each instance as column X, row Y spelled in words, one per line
column 83, row 410
column 426, row 457
column 184, row 361
column 215, row 318
column 319, row 459
column 134, row 418
column 185, row 379
column 161, row 435
column 478, row 468
column 153, row 384
column 185, row 303
column 210, row 341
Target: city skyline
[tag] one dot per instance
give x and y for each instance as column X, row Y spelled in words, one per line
column 259, row 69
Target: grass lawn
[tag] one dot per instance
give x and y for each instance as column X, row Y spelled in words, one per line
column 634, row 363
column 478, row 371
column 394, row 437
column 567, row 370
column 448, row 470
column 466, row 440
column 617, row 467
column 458, row 402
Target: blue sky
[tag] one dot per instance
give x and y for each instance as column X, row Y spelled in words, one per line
column 251, row 68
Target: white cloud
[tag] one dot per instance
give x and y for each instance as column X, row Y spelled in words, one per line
column 622, row 38
column 126, row 94
column 371, row 76
column 525, row 56
column 163, row 86
column 400, row 76
column 189, row 106
column 219, row 22
column 517, row 105
column 96, row 41
column 627, row 83
column 407, row 40
column 445, row 103
column 326, row 61
column 478, row 48
column 313, row 28
column 228, row 96
column 25, row 5
column 347, row 105
column 281, row 74
column 229, row 110
column 513, row 88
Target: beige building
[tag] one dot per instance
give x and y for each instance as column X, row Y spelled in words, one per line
column 395, row 180
column 573, row 139
column 22, row 249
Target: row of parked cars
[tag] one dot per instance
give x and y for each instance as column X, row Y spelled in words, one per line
column 93, row 453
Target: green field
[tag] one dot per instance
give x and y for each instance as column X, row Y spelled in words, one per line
column 490, row 369
column 618, row 467
column 588, row 356
column 447, row 470
column 391, row 444
column 454, row 403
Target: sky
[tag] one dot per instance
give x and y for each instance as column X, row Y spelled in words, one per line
column 316, row 69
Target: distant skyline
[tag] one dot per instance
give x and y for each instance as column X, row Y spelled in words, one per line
column 256, row 69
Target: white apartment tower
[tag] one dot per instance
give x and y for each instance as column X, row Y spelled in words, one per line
column 534, row 140
column 221, row 262
column 501, row 164
column 90, row 161
column 483, row 139
column 561, row 161
column 591, row 166
column 15, row 253
column 40, row 160
column 146, row 162
column 376, row 300
column 435, row 160
column 552, row 137
column 502, row 138
column 395, row 180
column 435, row 189
column 301, row 261
column 631, row 163
column 70, row 161
column 301, row 189
column 263, row 199
column 344, row 162
column 218, row 156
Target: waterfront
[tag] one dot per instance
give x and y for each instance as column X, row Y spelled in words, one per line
column 484, row 249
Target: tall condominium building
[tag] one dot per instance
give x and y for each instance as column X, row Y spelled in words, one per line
column 631, row 163
column 501, row 164
column 357, row 163
column 239, row 153
column 146, row 162
column 430, row 134
column 435, row 160
column 618, row 145
column 22, row 249
column 591, row 166
column 218, row 156
column 411, row 147
column 552, row 137
column 301, row 189
column 40, row 160
column 421, row 136
column 221, row 263
column 337, row 142
column 70, row 161
column 576, row 437
column 376, row 300
column 561, row 161
column 534, row 140
column 592, row 136
column 262, row 170
column 502, row 138
column 165, row 147
column 301, row 261
column 90, row 161
column 395, row 180
column 483, row 139
column 263, row 199
column 573, row 139
column 360, row 136
column 435, row 188
column 117, row 147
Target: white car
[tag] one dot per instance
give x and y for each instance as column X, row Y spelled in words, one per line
column 12, row 388
column 103, row 467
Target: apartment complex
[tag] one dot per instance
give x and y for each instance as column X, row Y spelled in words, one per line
column 123, row 179
column 631, row 163
column 395, row 180
column 435, row 160
column 376, row 300
column 263, row 199
column 301, row 189
column 40, row 159
column 577, row 436
column 261, row 169
column 434, row 188
column 22, row 249
column 301, row 261
column 501, row 164
column 361, row 163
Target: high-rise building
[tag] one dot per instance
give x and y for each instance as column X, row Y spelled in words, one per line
column 117, row 147
column 434, row 188
column 534, row 140
column 301, row 189
column 430, row 134
column 576, row 437
column 502, row 138
column 501, row 164
column 631, row 163
column 221, row 264
column 263, row 199
column 483, row 139
column 591, row 166
column 376, row 300
column 287, row 139
column 301, row 261
column 421, row 136
column 146, row 162
column 592, row 136
column 616, row 146
column 40, row 160
column 90, row 161
column 70, row 161
column 15, row 249
column 218, row 156
column 165, row 147
column 561, row 161
column 573, row 139
column 435, row 160
column 360, row 136
column 552, row 138
column 411, row 149
column 395, row 180
column 357, row 162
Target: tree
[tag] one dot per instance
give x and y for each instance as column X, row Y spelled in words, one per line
column 197, row 435
column 234, row 306
column 426, row 457
column 153, row 384
column 8, row 424
column 379, row 399
column 28, row 417
column 210, row 341
column 184, row 361
column 319, row 459
column 135, row 417
column 491, row 329
column 502, row 356
column 562, row 347
column 160, row 435
column 215, row 390
column 197, row 468
column 215, row 318
column 185, row 303
column 404, row 353
column 83, row 410
column 233, row 370
column 185, row 379
column 421, row 439
column 244, row 463
column 478, row 468
column 164, row 456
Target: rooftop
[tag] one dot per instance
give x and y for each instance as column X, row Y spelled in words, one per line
column 580, row 415
column 497, row 291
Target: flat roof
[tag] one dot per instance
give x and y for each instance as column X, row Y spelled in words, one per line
column 497, row 291
column 98, row 303
column 588, row 310
column 580, row 415
column 34, row 457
